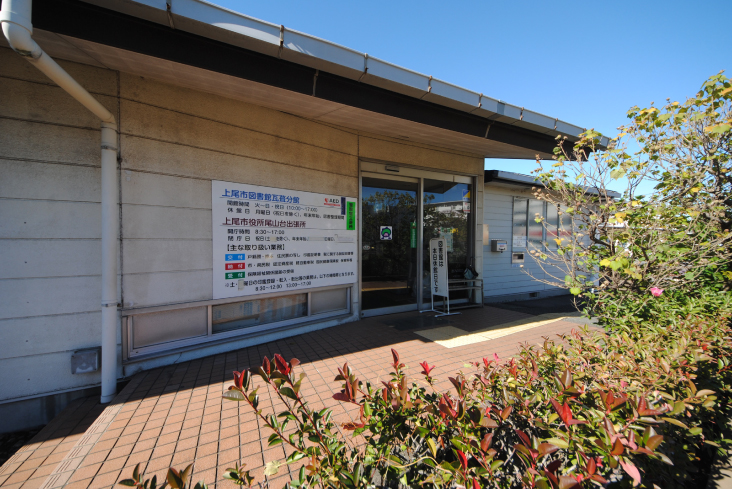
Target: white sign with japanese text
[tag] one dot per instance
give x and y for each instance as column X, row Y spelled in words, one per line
column 519, row 241
column 438, row 267
column 276, row 240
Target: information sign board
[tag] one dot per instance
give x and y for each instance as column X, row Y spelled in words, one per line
column 519, row 241
column 275, row 240
column 438, row 267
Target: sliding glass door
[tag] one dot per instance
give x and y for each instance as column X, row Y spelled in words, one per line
column 388, row 242
column 399, row 216
column 446, row 215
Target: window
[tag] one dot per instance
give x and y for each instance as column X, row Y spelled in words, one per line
column 239, row 315
column 534, row 235
column 565, row 225
column 552, row 222
column 536, row 229
column 520, row 210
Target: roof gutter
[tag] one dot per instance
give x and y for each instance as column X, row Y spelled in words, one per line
column 518, row 179
column 17, row 27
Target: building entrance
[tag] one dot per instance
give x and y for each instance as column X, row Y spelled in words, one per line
column 400, row 213
column 389, row 242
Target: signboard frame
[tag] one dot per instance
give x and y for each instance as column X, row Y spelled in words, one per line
column 439, row 283
column 269, row 240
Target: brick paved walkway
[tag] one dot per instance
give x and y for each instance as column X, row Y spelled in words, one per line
column 175, row 415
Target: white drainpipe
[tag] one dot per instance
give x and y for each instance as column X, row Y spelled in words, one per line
column 15, row 18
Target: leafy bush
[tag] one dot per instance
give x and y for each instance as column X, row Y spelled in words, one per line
column 675, row 239
column 589, row 409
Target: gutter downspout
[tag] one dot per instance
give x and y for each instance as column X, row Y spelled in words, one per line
column 16, row 24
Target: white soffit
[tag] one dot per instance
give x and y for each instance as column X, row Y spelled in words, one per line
column 209, row 20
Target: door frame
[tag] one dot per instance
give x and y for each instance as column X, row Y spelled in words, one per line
column 410, row 174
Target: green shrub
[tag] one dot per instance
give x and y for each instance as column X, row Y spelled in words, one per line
column 669, row 230
column 589, row 409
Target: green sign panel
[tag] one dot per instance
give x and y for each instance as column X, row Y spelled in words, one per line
column 235, row 275
column 413, row 235
column 350, row 216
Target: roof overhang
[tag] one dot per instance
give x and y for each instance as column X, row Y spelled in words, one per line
column 510, row 179
column 205, row 47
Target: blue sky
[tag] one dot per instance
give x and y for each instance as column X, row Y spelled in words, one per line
column 581, row 61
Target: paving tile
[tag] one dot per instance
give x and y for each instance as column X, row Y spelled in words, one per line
column 207, row 462
column 158, row 464
column 87, row 472
column 163, row 450
column 175, row 414
column 107, row 479
column 19, row 477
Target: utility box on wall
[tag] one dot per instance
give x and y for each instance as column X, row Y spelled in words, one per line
column 85, row 361
column 499, row 245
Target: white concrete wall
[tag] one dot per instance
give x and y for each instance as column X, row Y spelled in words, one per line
column 500, row 278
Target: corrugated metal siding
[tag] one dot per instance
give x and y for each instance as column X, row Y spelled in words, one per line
column 500, row 278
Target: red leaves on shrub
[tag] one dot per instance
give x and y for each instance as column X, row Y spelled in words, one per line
column 534, row 370
column 550, row 471
column 396, row 363
column 342, row 396
column 266, row 366
column 350, row 385
column 643, row 408
column 524, row 438
column 566, row 379
column 565, row 412
column 462, row 458
column 631, row 470
column 426, row 369
column 281, row 364
column 567, row 482
column 506, row 412
column 445, row 406
column 344, row 373
column 485, row 443
column 611, row 402
column 350, row 426
column 459, row 385
column 618, row 447
column 547, row 449
column 238, row 379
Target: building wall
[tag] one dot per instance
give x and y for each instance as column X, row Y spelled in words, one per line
column 501, row 281
column 173, row 142
column 50, row 228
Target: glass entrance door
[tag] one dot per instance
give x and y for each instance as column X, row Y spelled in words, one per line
column 389, row 240
column 446, row 215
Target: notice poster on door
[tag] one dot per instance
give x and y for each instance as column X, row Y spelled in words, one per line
column 446, row 233
column 276, row 240
column 438, row 267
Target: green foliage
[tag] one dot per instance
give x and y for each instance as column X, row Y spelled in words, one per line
column 620, row 254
